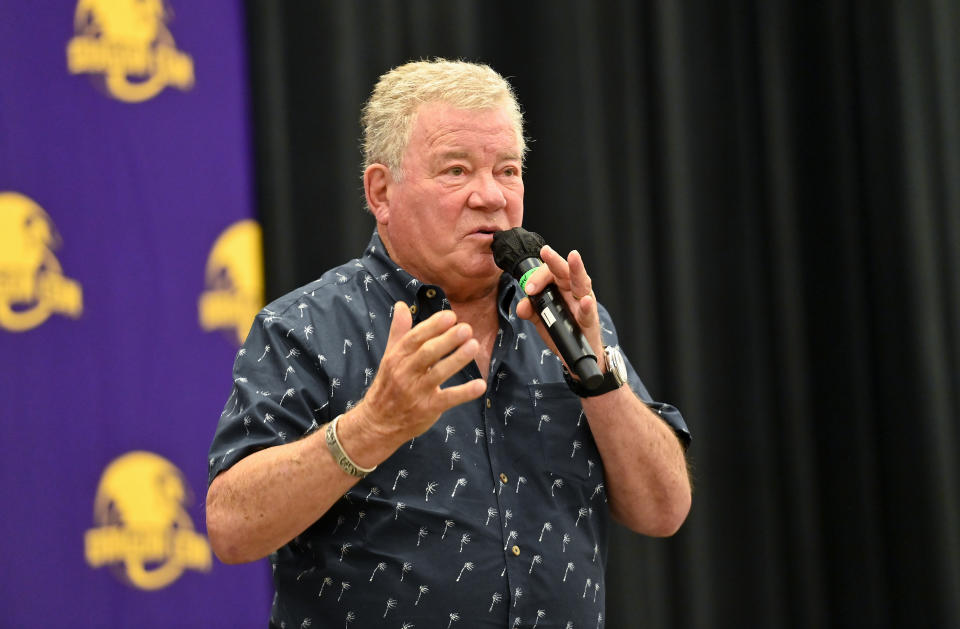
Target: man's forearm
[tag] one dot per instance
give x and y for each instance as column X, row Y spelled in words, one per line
column 273, row 495
column 646, row 472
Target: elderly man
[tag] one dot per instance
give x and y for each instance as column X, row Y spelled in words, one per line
column 400, row 440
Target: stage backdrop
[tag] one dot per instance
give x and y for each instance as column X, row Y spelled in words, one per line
column 129, row 268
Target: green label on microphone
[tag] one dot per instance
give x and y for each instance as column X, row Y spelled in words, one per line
column 524, row 278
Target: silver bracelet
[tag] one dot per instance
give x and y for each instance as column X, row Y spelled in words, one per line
column 343, row 460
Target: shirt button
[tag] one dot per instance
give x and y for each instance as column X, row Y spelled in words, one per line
column 413, row 309
column 431, row 293
column 516, row 551
column 503, row 478
column 489, row 403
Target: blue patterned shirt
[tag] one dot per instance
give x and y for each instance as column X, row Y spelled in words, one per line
column 497, row 516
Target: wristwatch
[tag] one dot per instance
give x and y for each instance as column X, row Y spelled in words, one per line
column 613, row 379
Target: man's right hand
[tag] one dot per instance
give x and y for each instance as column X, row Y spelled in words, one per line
column 405, row 398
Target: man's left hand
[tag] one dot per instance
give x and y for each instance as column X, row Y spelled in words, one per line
column 570, row 276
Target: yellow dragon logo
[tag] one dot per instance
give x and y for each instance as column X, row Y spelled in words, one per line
column 127, row 43
column 32, row 285
column 143, row 530
column 234, row 280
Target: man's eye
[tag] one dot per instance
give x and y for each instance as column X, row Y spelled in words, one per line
column 511, row 172
column 456, row 170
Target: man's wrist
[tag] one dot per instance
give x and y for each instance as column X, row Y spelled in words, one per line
column 346, row 463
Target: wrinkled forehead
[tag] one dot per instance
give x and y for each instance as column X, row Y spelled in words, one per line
column 444, row 129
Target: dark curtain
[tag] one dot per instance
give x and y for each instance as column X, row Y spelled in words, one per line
column 767, row 195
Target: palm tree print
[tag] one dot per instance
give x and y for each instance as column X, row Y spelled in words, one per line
column 350, row 618
column 400, row 507
column 570, row 568
column 326, row 581
column 344, row 550
column 430, row 489
column 306, row 623
column 596, row 490
column 491, row 512
column 569, row 625
column 321, row 359
column 521, row 336
column 454, row 456
column 582, row 512
column 596, row 549
column 246, row 423
column 540, row 614
column 596, row 590
column 413, row 282
column 404, row 569
column 307, row 331
column 366, row 282
column 496, row 598
column 544, row 354
column 423, row 590
column 499, row 339
column 537, row 560
column 507, row 515
column 286, row 394
column 477, row 434
column 380, row 567
column 521, row 481
column 460, row 483
column 546, row 527
column 368, row 337
column 464, row 539
column 340, row 520
column 579, row 418
column 557, row 483
column 266, row 350
column 500, row 376
column 566, row 540
column 334, row 383
column 360, row 515
column 454, row 616
column 516, row 622
column 374, row 491
column 293, row 353
column 576, row 446
column 347, row 344
column 512, row 536
column 450, row 430
column 305, row 572
column 586, row 587
column 287, row 373
column 517, row 593
column 344, row 586
column 590, row 465
column 421, row 534
column 468, row 567
column 508, row 412
column 400, row 474
column 543, row 419
column 391, row 604
column 537, row 395
column 407, row 625
column 341, row 278
column 447, row 524
column 367, row 374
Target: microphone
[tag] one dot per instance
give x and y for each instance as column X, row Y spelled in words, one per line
column 517, row 251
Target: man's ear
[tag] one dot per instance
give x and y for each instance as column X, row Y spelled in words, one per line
column 376, row 183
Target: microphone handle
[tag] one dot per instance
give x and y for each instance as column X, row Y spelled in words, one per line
column 564, row 331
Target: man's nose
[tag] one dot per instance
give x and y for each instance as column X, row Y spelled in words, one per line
column 486, row 194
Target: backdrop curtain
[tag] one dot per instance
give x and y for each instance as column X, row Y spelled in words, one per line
column 767, row 196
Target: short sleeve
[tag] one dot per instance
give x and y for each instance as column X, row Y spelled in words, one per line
column 278, row 392
column 667, row 412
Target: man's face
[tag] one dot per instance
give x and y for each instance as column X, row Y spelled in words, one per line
column 462, row 181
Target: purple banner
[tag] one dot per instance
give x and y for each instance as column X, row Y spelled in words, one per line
column 129, row 269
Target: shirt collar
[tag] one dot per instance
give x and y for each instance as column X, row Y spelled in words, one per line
column 425, row 299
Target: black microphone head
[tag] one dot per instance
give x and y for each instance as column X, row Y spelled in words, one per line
column 510, row 246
